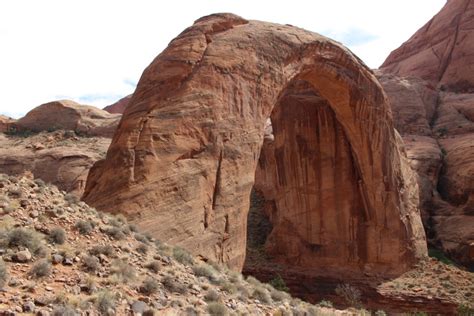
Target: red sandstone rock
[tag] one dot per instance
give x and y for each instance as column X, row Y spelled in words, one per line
column 183, row 161
column 5, row 123
column 119, row 106
column 62, row 161
column 442, row 51
column 68, row 115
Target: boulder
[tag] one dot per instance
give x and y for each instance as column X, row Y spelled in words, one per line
column 182, row 163
column 5, row 123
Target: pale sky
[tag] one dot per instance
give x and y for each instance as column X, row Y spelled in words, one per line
column 94, row 51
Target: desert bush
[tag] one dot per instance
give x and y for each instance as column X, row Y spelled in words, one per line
column 235, row 277
column 57, row 235
column 149, row 286
column 22, row 237
column 105, row 302
column 253, row 281
column 15, row 193
column 154, row 266
column 279, row 284
column 91, row 263
column 123, row 271
column 84, row 227
column 228, row 287
column 212, row 296
column 142, row 248
column 182, row 256
column 106, row 250
column 350, row 294
column 41, row 269
column 71, row 198
column 149, row 312
column 261, row 294
column 3, row 274
column 204, row 270
column 133, row 228
column 278, row 296
column 172, row 285
column 40, row 183
column 380, row 313
column 217, row 309
column 243, row 292
column 115, row 233
column 141, row 238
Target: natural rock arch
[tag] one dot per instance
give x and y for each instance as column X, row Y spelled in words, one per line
column 183, row 159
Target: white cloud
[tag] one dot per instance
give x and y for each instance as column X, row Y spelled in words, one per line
column 83, row 48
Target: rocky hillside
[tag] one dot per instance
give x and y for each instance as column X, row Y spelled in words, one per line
column 430, row 83
column 119, row 106
column 62, row 257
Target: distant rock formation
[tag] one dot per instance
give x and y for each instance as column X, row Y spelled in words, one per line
column 119, row 106
column 435, row 116
column 69, row 115
column 182, row 163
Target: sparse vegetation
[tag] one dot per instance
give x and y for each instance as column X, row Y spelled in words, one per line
column 154, row 266
column 149, row 286
column 105, row 303
column 123, row 271
column 325, row 303
column 57, row 235
column 440, row 256
column 3, row 274
column 91, row 263
column 21, row 237
column 106, row 250
column 173, row 285
column 217, row 309
column 115, row 233
column 71, row 198
column 64, row 310
column 182, row 256
column 84, row 227
column 279, row 284
column 41, row 269
column 142, row 248
column 212, row 296
column 350, row 294
column 261, row 294
column 204, row 270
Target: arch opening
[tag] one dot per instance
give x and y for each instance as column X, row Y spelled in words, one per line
column 306, row 208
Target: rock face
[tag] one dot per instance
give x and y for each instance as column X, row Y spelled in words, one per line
column 119, row 106
column 436, row 120
column 69, row 115
column 442, row 51
column 182, row 163
column 55, row 157
column 5, row 123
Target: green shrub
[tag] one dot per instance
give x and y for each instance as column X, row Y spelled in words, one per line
column 278, row 295
column 440, row 256
column 84, row 227
column 141, row 238
column 217, row 309
column 325, row 303
column 71, row 198
column 57, row 235
column 182, row 256
column 22, row 237
column 279, row 284
column 261, row 294
column 64, row 310
column 149, row 286
column 142, row 248
column 41, row 269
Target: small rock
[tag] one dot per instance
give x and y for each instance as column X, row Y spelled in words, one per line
column 138, row 307
column 29, row 307
column 68, row 262
column 56, row 259
column 22, row 256
column 41, row 301
column 42, row 313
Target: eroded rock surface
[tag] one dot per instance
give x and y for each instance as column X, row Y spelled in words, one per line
column 436, row 119
column 182, row 163
column 69, row 115
column 5, row 123
column 58, row 158
column 441, row 52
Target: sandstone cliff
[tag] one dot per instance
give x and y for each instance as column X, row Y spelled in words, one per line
column 119, row 106
column 182, row 163
column 428, row 80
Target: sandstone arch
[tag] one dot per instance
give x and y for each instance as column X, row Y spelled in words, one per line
column 183, row 160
